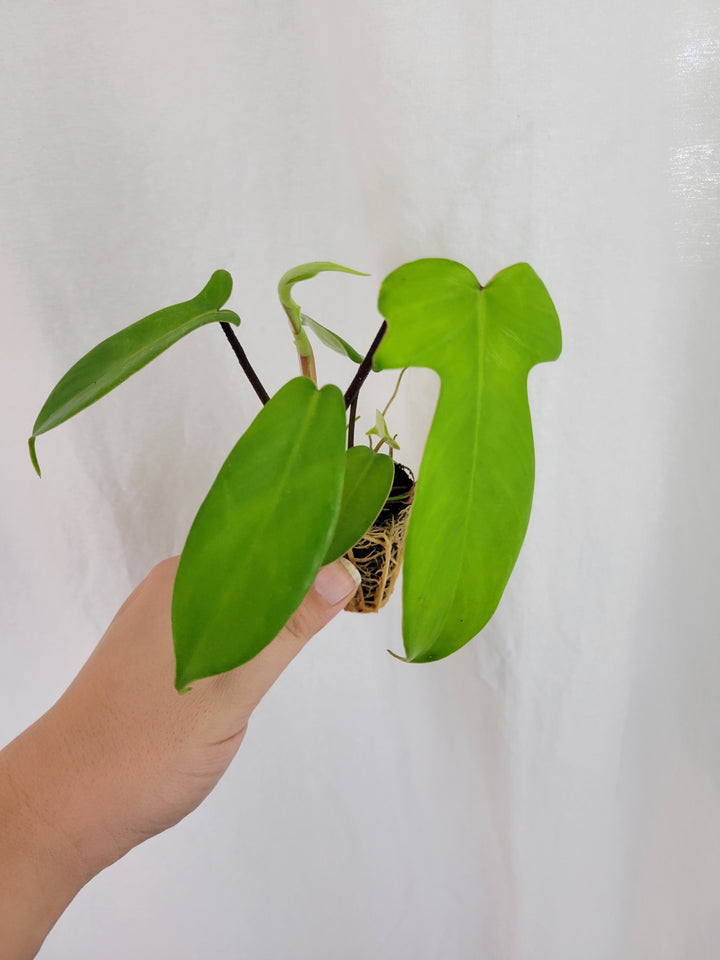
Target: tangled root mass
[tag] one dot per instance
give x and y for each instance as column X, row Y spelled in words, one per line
column 378, row 556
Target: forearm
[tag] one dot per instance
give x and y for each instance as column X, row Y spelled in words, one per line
column 41, row 868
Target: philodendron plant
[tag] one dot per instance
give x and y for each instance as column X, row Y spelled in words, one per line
column 295, row 492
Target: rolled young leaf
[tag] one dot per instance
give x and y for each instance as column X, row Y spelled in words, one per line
column 261, row 534
column 305, row 271
column 475, row 484
column 366, row 486
column 124, row 353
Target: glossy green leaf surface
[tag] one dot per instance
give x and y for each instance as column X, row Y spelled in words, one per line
column 475, row 484
column 331, row 339
column 124, row 353
column 305, row 271
column 261, row 534
column 367, row 483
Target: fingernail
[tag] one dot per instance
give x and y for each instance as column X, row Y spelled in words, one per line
column 338, row 581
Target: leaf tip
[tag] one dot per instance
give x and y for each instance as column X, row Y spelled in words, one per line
column 328, row 265
column 398, row 657
column 182, row 681
column 183, row 672
column 33, row 455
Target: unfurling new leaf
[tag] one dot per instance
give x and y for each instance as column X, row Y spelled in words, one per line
column 305, row 271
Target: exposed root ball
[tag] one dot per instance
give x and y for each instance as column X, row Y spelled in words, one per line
column 378, row 556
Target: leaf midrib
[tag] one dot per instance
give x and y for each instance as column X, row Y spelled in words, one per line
column 481, row 332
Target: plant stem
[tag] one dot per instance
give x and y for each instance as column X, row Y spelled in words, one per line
column 364, row 369
column 379, row 444
column 245, row 363
column 397, row 387
column 351, row 426
column 307, row 360
column 300, row 339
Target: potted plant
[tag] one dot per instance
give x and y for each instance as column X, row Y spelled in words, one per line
column 296, row 492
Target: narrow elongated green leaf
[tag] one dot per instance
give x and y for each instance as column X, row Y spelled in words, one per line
column 306, row 271
column 117, row 358
column 367, row 483
column 474, row 490
column 261, row 534
column 331, row 339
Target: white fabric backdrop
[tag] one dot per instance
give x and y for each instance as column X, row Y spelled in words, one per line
column 553, row 790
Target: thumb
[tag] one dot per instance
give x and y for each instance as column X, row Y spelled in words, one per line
column 334, row 585
column 242, row 689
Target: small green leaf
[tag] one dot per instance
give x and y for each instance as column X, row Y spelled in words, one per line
column 367, row 483
column 124, row 353
column 306, row 271
column 261, row 534
column 331, row 339
column 381, row 430
column 475, row 484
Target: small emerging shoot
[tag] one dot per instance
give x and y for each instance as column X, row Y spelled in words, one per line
column 381, row 430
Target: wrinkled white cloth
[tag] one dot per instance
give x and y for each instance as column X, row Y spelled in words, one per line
column 552, row 791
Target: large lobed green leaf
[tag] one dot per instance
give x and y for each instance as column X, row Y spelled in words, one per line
column 262, row 532
column 474, row 490
column 367, row 483
column 124, row 353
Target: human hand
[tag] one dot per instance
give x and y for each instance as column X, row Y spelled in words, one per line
column 122, row 756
